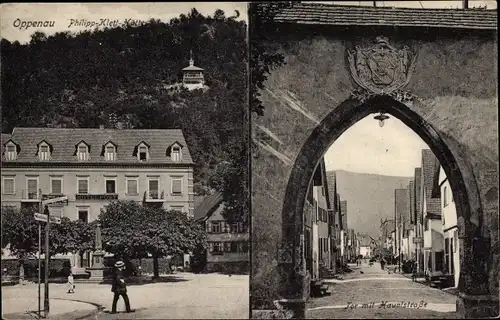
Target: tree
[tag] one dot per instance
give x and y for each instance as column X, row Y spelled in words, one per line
column 132, row 230
column 20, row 233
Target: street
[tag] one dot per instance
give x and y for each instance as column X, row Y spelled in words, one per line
column 183, row 295
column 377, row 294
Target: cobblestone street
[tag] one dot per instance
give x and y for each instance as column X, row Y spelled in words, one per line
column 187, row 296
column 377, row 294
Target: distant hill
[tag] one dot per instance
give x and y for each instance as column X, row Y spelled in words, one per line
column 370, row 197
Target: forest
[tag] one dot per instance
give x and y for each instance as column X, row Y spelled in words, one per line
column 124, row 75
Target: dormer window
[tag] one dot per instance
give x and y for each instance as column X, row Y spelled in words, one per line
column 44, row 151
column 82, row 151
column 10, row 151
column 175, row 152
column 109, row 151
column 143, row 152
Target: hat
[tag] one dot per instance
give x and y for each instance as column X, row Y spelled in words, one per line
column 119, row 264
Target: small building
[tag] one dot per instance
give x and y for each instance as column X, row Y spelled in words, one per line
column 228, row 243
column 192, row 76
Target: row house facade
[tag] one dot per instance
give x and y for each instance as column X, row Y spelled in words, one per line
column 94, row 166
column 451, row 261
column 228, row 242
column 318, row 224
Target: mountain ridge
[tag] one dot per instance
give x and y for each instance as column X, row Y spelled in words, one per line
column 370, row 198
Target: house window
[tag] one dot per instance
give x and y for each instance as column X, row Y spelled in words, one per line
column 132, row 186
column 11, row 152
column 243, row 247
column 176, row 154
column 445, row 197
column 446, row 255
column 216, row 247
column 234, row 247
column 32, row 188
column 83, row 185
column 176, row 185
column 83, row 215
column 110, row 186
column 109, row 153
column 56, row 186
column 234, row 227
column 9, row 186
column 83, row 153
column 154, row 186
column 216, row 227
column 44, row 153
column 143, row 153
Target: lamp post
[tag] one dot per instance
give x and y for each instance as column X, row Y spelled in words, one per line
column 47, row 260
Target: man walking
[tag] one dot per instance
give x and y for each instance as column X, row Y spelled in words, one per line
column 119, row 288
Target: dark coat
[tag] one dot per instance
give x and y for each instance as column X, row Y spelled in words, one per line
column 119, row 285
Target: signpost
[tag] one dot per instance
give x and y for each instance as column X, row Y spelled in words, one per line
column 45, row 217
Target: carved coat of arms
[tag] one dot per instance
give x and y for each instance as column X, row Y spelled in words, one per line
column 381, row 68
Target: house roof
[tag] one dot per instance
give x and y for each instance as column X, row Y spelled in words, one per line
column 429, row 167
column 436, row 188
column 341, row 15
column 64, row 141
column 192, row 68
column 208, row 206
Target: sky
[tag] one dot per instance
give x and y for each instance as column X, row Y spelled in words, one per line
column 391, row 150
column 13, row 14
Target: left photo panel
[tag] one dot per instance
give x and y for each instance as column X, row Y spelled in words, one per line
column 124, row 189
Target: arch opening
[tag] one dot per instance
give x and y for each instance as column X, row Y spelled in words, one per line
column 333, row 126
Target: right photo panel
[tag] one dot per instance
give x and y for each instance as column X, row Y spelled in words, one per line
column 374, row 159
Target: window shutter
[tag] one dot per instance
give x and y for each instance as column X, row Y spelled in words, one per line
column 177, row 186
column 208, row 226
column 211, row 247
column 9, row 186
column 56, row 186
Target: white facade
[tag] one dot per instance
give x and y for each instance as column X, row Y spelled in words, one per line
column 365, row 251
column 449, row 225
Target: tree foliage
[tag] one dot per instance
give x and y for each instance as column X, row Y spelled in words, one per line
column 20, row 232
column 132, row 230
column 128, row 74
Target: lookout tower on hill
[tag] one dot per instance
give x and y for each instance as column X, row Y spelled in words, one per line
column 192, row 76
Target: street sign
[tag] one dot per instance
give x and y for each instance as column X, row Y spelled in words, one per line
column 43, row 218
column 55, row 200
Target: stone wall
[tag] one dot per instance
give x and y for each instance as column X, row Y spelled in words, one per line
column 455, row 82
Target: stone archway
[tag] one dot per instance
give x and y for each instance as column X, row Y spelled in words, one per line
column 450, row 98
column 474, row 252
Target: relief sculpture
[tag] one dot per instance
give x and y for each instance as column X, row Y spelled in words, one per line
column 381, row 68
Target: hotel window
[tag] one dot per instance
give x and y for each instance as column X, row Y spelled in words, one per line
column 83, row 215
column 56, row 185
column 109, row 153
column 32, row 186
column 142, row 153
column 132, row 186
column 44, row 153
column 176, row 185
column 216, row 227
column 10, row 152
column 83, row 153
column 154, row 186
column 176, row 154
column 445, row 197
column 83, row 185
column 110, row 186
column 9, row 186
